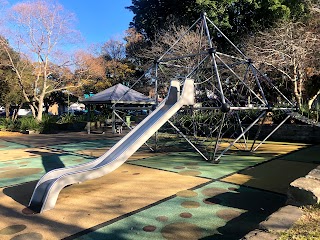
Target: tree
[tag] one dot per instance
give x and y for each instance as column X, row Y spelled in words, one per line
column 166, row 38
column 91, row 71
column 103, row 69
column 191, row 43
column 234, row 17
column 10, row 93
column 135, row 44
column 39, row 30
column 113, row 50
column 151, row 16
column 287, row 51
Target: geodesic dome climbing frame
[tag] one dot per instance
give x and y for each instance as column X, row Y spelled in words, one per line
column 232, row 95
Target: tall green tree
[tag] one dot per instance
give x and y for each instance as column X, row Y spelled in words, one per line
column 10, row 92
column 234, row 17
column 153, row 15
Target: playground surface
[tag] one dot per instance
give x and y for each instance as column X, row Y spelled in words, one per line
column 165, row 195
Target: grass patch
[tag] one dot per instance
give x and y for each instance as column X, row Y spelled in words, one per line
column 307, row 227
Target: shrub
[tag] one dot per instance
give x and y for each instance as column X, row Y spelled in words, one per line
column 9, row 125
column 67, row 118
column 48, row 124
column 28, row 123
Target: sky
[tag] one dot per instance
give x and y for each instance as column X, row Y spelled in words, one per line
column 98, row 20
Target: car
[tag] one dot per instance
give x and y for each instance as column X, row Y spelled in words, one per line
column 24, row 112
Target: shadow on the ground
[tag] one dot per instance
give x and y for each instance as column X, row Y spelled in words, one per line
column 258, row 205
column 21, row 193
column 49, row 162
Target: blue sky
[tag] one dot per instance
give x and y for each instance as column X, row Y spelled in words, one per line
column 98, row 20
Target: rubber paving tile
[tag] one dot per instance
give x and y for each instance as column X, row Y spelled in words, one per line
column 97, row 152
column 309, row 154
column 266, row 145
column 19, row 153
column 215, row 211
column 40, row 140
column 7, row 145
column 82, row 206
column 274, row 176
column 269, row 150
column 188, row 163
column 24, row 170
column 278, row 148
column 79, row 146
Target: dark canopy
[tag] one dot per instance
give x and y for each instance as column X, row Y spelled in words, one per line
column 118, row 94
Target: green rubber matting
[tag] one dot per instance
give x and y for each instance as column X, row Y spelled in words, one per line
column 30, row 169
column 215, row 211
column 188, row 163
column 6, row 145
column 73, row 147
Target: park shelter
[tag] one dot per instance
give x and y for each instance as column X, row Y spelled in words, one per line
column 120, row 97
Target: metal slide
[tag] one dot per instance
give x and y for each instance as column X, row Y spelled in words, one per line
column 47, row 190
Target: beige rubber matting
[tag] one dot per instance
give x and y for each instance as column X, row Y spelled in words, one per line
column 87, row 204
column 13, row 154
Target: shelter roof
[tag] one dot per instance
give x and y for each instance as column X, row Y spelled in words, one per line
column 118, row 94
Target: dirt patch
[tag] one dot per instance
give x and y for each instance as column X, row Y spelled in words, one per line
column 9, row 134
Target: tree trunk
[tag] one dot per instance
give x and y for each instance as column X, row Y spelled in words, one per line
column 7, row 110
column 296, row 80
column 15, row 112
column 33, row 110
column 311, row 100
column 40, row 108
column 297, row 95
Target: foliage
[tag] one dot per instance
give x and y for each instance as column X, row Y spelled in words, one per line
column 312, row 90
column 90, row 70
column 28, row 123
column 67, row 118
column 151, row 16
column 10, row 92
column 24, row 123
column 62, row 98
column 286, row 52
column 105, row 68
column 135, row 44
column 113, row 50
column 39, row 29
column 71, row 118
column 8, row 124
column 235, row 17
column 48, row 124
column 311, row 113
